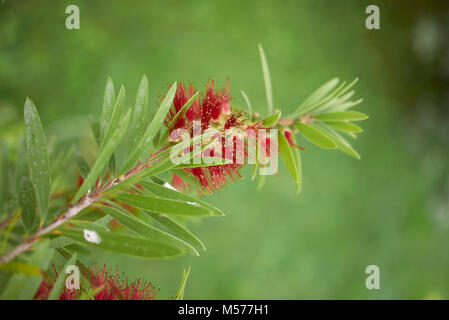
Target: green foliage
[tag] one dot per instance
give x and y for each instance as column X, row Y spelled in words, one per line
column 149, row 212
column 182, row 285
column 266, row 79
column 316, row 136
column 27, row 201
column 37, row 157
column 23, row 286
column 288, row 156
column 58, row 286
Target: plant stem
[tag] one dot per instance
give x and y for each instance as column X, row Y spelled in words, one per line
column 73, row 210
column 70, row 213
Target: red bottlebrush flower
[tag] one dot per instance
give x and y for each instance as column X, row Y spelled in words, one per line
column 109, row 286
column 44, row 290
column 180, row 99
column 213, row 110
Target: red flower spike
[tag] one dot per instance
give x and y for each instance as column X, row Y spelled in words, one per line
column 110, row 285
column 213, row 110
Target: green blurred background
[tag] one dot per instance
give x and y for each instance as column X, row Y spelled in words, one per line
column 390, row 209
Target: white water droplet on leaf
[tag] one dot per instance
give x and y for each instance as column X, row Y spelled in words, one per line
column 91, row 236
column 169, row 186
column 196, row 204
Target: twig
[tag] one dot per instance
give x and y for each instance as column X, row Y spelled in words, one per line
column 71, row 212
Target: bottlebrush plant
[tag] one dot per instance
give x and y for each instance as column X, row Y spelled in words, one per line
column 130, row 198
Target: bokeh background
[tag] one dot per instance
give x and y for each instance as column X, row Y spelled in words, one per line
column 390, row 209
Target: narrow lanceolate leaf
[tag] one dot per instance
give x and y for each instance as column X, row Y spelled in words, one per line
column 166, row 191
column 115, row 118
column 248, row 103
column 211, row 161
column 141, row 228
column 344, row 126
column 298, row 166
column 342, row 116
column 152, row 129
column 27, row 201
column 341, row 143
column 103, row 157
column 58, row 286
column 167, row 206
column 22, row 268
column 316, row 96
column 37, row 157
column 140, row 112
column 177, row 230
column 267, row 79
column 22, row 162
column 108, row 107
column 95, row 127
column 182, row 285
column 288, row 156
column 315, row 136
column 83, row 166
column 272, row 119
column 120, row 243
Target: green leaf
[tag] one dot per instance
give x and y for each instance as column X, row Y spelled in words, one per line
column 344, row 126
column 67, row 254
column 214, row 161
column 182, row 285
column 22, row 162
column 165, row 206
column 315, row 136
column 95, row 127
column 22, row 268
column 342, row 116
column 141, row 228
column 316, row 96
column 83, row 166
column 24, row 287
column 177, row 229
column 341, row 143
column 298, row 166
column 115, row 117
column 108, row 109
column 267, row 80
column 152, row 129
column 166, row 191
column 60, row 241
column 287, row 155
column 37, row 157
column 248, row 103
column 139, row 121
column 89, row 225
column 271, row 120
column 10, row 227
column 103, row 157
column 120, row 243
column 58, row 286
column 27, row 201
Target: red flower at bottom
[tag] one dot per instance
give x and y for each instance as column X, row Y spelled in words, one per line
column 104, row 285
